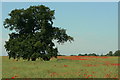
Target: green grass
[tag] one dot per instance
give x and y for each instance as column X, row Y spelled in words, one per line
column 60, row 68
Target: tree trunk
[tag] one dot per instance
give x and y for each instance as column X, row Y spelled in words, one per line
column 46, row 59
column 14, row 57
column 28, row 59
column 33, row 59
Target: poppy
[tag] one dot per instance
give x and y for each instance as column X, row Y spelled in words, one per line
column 85, row 74
column 89, row 75
column 94, row 76
column 93, row 72
column 65, row 65
column 115, row 78
column 13, row 77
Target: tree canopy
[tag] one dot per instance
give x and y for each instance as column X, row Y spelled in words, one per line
column 117, row 53
column 34, row 33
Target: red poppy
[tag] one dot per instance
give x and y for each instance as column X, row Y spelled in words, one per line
column 116, row 64
column 115, row 78
column 94, row 76
column 85, row 74
column 93, row 72
column 88, row 76
column 13, row 77
column 65, row 65
column 83, row 59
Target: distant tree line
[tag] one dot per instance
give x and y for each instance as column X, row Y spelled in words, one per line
column 110, row 53
column 93, row 54
column 116, row 53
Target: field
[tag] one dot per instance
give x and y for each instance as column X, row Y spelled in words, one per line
column 63, row 67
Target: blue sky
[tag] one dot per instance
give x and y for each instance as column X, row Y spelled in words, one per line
column 94, row 25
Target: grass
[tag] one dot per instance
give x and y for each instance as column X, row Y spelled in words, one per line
column 61, row 68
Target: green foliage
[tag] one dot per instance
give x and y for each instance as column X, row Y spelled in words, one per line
column 85, row 54
column 117, row 53
column 93, row 54
column 80, row 55
column 34, row 33
column 110, row 53
column 73, row 55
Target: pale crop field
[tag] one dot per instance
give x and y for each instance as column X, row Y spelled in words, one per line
column 63, row 67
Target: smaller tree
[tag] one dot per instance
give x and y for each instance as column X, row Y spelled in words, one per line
column 93, row 54
column 73, row 55
column 110, row 53
column 85, row 54
column 117, row 53
column 102, row 54
column 80, row 55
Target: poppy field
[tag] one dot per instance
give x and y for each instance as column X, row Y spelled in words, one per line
column 62, row 67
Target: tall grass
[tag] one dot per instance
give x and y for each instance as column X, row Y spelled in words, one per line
column 61, row 68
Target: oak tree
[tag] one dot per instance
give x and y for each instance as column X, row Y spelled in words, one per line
column 33, row 33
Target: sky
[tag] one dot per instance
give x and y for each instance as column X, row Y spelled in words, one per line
column 93, row 25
